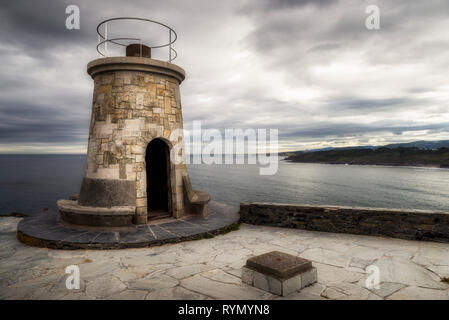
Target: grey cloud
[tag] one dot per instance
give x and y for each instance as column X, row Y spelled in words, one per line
column 325, row 47
column 296, row 3
column 45, row 93
column 31, row 123
column 282, row 37
column 284, row 4
column 352, row 129
column 38, row 27
column 360, row 104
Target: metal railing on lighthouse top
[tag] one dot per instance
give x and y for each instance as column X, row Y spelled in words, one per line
column 104, row 37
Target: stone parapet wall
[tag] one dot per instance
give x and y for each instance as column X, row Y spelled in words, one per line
column 397, row 223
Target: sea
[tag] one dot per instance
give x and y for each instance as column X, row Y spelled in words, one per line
column 31, row 184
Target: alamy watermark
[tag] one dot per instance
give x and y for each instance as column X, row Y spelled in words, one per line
column 373, row 280
column 72, row 282
column 73, row 19
column 230, row 146
column 372, row 22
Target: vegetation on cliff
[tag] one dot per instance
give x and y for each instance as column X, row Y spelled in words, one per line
column 379, row 156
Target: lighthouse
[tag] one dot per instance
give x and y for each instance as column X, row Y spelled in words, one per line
column 135, row 170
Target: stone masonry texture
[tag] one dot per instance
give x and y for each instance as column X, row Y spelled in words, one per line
column 130, row 108
column 397, row 223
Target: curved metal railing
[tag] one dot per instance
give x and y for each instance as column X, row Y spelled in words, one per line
column 104, row 40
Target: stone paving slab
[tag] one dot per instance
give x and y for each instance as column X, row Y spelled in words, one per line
column 211, row 268
column 45, row 230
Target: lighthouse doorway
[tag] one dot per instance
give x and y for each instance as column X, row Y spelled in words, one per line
column 158, row 179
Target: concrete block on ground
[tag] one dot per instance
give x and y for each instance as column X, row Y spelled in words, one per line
column 279, row 273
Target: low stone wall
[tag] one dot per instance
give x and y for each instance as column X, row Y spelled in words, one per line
column 397, row 223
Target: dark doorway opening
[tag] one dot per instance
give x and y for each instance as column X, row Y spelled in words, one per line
column 158, row 179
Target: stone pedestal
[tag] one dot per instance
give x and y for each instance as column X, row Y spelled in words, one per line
column 279, row 273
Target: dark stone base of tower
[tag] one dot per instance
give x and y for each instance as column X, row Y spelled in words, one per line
column 48, row 230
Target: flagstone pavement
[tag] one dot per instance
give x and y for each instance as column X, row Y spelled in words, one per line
column 211, row 268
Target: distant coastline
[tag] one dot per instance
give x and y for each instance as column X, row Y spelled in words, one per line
column 409, row 157
column 417, row 165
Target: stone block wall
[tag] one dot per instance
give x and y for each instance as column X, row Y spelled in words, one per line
column 397, row 223
column 130, row 108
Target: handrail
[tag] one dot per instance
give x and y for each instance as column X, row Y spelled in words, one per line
column 105, row 39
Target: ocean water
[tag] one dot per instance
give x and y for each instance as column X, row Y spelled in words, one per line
column 29, row 183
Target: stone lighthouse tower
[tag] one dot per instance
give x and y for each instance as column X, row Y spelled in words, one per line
column 135, row 135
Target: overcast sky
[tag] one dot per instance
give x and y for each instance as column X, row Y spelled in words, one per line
column 308, row 68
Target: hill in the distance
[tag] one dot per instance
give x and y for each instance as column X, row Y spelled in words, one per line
column 418, row 153
column 427, row 145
